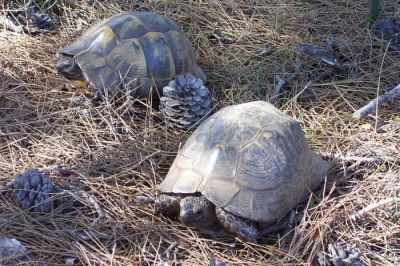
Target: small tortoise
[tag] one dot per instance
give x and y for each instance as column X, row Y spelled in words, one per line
column 244, row 168
column 128, row 52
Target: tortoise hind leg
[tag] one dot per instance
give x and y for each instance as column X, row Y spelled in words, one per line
column 198, row 73
column 237, row 226
column 285, row 225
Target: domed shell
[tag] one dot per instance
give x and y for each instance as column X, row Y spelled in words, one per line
column 251, row 159
column 133, row 49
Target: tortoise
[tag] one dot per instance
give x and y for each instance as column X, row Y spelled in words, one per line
column 243, row 169
column 128, row 52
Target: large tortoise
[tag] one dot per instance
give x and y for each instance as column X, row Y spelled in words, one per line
column 129, row 52
column 245, row 167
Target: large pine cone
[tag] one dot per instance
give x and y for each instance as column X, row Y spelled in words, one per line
column 34, row 189
column 185, row 101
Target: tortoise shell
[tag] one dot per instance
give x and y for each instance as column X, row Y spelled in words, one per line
column 251, row 159
column 134, row 51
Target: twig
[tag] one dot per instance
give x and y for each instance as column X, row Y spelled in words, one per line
column 370, row 208
column 171, row 248
column 373, row 105
column 282, row 82
column 88, row 200
column 359, row 159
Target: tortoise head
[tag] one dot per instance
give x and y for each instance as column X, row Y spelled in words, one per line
column 197, row 211
column 67, row 66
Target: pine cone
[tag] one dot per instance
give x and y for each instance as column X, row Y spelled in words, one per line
column 34, row 189
column 340, row 256
column 29, row 17
column 185, row 101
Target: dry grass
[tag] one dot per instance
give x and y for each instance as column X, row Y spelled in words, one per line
column 123, row 151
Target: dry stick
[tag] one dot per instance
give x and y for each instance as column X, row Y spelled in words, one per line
column 371, row 207
column 171, row 248
column 282, row 82
column 359, row 159
column 88, row 200
column 373, row 105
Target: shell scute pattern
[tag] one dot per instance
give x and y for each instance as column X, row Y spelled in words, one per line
column 241, row 204
column 122, row 56
column 188, row 183
column 155, row 23
column 160, row 64
column 127, row 27
column 181, row 50
column 280, row 152
column 258, row 169
column 104, row 43
column 218, row 162
column 106, row 77
column 261, row 180
column 212, row 190
column 195, row 148
column 142, row 49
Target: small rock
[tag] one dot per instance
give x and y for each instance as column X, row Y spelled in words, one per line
column 388, row 29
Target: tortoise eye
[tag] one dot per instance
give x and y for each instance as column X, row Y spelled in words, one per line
column 198, row 212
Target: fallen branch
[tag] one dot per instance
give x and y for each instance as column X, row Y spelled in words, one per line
column 373, row 105
column 355, row 158
column 370, row 208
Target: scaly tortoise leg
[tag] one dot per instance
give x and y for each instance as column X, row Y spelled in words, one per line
column 167, row 205
column 237, row 226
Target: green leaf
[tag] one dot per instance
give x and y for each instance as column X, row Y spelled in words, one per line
column 374, row 10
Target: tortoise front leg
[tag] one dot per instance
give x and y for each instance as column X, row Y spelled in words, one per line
column 237, row 226
column 167, row 205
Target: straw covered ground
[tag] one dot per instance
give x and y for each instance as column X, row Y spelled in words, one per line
column 117, row 152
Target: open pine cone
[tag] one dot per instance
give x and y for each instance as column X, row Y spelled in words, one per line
column 185, row 101
column 34, row 189
column 340, row 255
